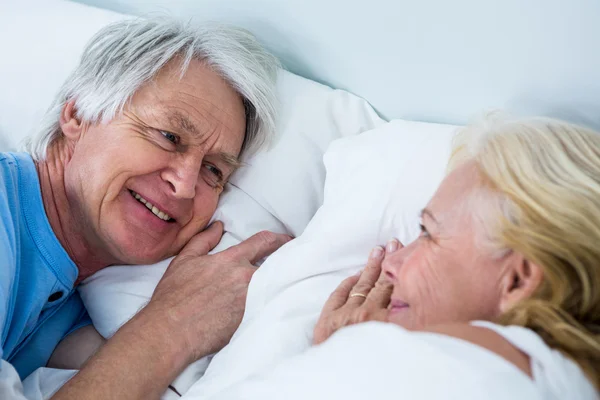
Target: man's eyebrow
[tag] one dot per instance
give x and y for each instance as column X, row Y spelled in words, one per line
column 232, row 161
column 427, row 212
column 181, row 121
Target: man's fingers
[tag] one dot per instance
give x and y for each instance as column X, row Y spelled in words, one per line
column 340, row 295
column 368, row 277
column 204, row 241
column 258, row 246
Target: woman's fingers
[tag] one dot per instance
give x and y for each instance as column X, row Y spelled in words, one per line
column 368, row 277
column 381, row 293
column 340, row 295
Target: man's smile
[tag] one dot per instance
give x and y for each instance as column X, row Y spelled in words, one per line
column 155, row 210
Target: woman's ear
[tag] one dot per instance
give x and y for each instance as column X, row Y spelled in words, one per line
column 70, row 125
column 521, row 280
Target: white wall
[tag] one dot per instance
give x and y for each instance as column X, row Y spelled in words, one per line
column 434, row 60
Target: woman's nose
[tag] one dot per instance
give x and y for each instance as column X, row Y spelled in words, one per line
column 395, row 254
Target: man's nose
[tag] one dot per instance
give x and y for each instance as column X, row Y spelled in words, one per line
column 182, row 176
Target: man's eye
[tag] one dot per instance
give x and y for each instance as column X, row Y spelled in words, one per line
column 214, row 170
column 213, row 176
column 170, row 137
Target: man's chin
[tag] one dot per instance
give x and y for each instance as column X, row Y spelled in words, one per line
column 143, row 256
column 148, row 259
column 134, row 248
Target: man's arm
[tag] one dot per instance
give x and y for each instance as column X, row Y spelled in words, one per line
column 138, row 362
column 194, row 311
column 74, row 350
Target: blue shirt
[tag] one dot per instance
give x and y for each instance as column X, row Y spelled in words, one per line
column 38, row 303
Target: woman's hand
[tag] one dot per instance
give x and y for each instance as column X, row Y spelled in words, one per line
column 359, row 298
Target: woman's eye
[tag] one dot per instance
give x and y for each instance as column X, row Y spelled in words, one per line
column 424, row 232
column 170, row 137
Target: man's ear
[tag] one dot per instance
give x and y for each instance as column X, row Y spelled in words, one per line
column 521, row 280
column 70, row 125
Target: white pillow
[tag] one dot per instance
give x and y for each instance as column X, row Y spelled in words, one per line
column 377, row 183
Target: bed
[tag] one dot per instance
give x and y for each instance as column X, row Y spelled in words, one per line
column 376, row 85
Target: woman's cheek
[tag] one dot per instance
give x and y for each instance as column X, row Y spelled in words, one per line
column 428, row 288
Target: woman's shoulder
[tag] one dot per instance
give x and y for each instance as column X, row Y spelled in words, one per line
column 488, row 339
column 555, row 375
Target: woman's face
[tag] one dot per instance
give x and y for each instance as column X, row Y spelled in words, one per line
column 446, row 276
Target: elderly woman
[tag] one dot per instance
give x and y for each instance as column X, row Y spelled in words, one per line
column 128, row 168
column 508, row 257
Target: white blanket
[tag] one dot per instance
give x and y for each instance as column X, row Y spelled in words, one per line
column 383, row 361
column 368, row 361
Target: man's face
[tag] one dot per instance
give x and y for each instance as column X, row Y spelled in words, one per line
column 174, row 146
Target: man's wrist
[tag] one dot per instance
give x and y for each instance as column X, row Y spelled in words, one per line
column 144, row 356
column 161, row 330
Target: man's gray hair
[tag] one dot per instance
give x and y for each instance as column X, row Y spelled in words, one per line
column 123, row 56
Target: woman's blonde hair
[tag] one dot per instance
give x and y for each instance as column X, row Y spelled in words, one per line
column 547, row 174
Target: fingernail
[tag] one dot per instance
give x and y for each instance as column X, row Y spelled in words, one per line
column 392, row 245
column 377, row 252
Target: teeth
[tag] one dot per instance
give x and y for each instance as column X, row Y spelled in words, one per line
column 151, row 207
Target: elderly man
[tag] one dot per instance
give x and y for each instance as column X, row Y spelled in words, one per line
column 127, row 169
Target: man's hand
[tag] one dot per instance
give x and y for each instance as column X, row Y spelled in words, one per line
column 202, row 297
column 194, row 311
column 357, row 299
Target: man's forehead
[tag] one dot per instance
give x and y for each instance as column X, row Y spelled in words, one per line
column 197, row 105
